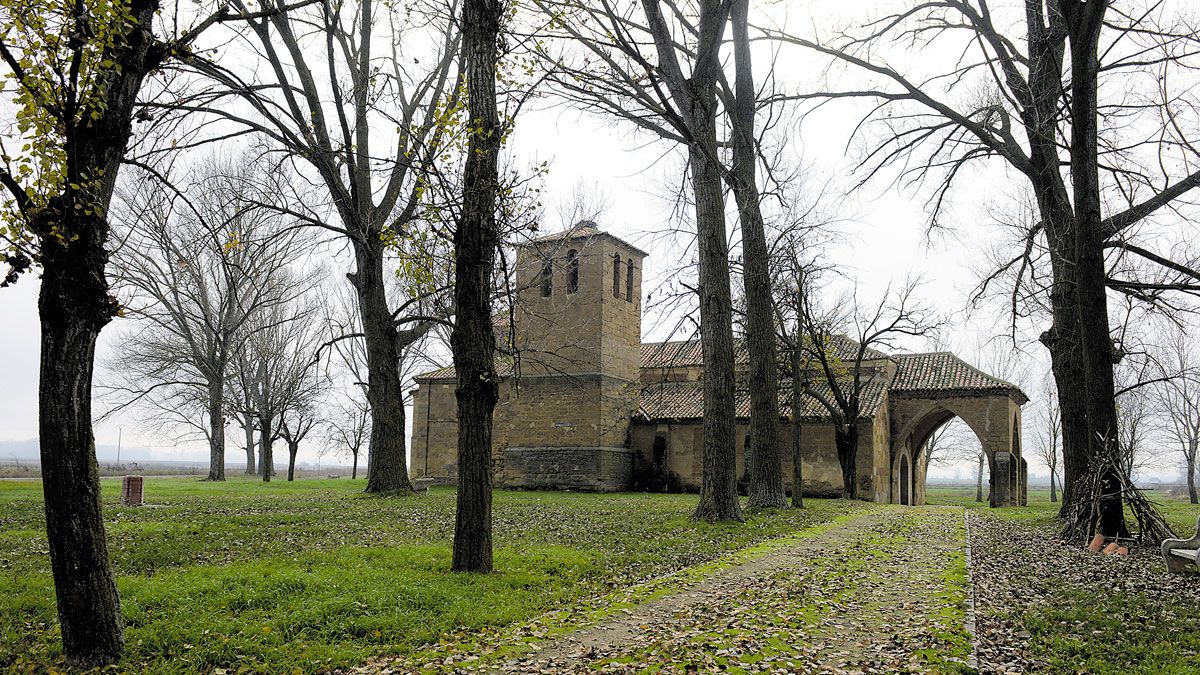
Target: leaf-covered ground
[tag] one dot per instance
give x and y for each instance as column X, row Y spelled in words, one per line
column 314, row 575
column 882, row 592
column 1043, row 606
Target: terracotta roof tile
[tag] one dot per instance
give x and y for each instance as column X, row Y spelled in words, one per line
column 690, row 353
column 685, row 400
column 944, row 373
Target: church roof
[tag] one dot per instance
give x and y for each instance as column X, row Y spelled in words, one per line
column 685, row 401
column 680, row 353
column 584, row 229
column 690, row 352
column 931, row 375
column 944, row 374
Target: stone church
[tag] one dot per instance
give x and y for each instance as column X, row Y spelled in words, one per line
column 586, row 405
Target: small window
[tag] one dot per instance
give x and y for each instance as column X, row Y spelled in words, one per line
column 616, row 276
column 547, row 279
column 572, row 271
column 628, row 281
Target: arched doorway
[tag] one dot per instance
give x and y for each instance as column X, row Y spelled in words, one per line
column 993, row 422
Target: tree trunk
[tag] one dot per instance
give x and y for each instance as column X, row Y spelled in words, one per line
column 797, row 410
column 718, row 484
column 354, row 466
column 251, row 469
column 293, row 448
column 473, row 341
column 1191, row 480
column 216, row 429
column 73, row 305
column 766, row 470
column 1084, row 23
column 265, row 458
column 1053, row 491
column 979, row 478
column 847, row 449
column 387, row 468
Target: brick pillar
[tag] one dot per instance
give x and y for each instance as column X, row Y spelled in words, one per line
column 132, row 490
column 1002, row 475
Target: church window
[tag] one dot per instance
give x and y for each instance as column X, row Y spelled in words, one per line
column 547, row 279
column 616, row 276
column 572, row 271
column 628, row 281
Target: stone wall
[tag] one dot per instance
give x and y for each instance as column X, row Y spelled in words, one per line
column 822, row 472
column 586, row 331
column 434, row 446
column 592, row 469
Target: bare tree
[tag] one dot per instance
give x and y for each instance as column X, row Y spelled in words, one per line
column 764, row 461
column 841, row 343
column 660, row 71
column 953, row 443
column 1048, row 437
column 294, row 426
column 1178, row 399
column 197, row 267
column 277, row 360
column 325, row 91
column 1039, row 119
column 1136, row 424
column 347, row 428
column 789, row 312
column 76, row 76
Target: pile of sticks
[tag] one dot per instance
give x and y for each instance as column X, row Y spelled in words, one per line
column 1106, row 481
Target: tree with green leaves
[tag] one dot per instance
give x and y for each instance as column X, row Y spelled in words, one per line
column 476, row 240
column 73, row 73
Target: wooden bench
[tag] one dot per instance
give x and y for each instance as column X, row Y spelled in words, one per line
column 422, row 484
column 1179, row 553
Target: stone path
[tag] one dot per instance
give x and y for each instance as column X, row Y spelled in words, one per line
column 879, row 593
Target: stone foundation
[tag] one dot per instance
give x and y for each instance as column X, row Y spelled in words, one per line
column 589, row 469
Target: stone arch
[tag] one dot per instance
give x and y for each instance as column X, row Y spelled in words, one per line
column 906, row 482
column 995, row 421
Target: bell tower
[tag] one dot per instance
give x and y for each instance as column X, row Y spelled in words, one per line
column 578, row 346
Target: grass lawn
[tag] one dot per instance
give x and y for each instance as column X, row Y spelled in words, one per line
column 1080, row 612
column 1041, row 511
column 313, row 574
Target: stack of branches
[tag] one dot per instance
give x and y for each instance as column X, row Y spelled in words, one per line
column 1106, row 483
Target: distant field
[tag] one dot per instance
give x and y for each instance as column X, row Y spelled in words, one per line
column 1176, row 509
column 314, row 574
column 31, row 469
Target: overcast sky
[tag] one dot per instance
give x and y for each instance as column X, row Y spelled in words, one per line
column 883, row 243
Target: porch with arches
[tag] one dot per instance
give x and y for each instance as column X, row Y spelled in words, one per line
column 995, row 420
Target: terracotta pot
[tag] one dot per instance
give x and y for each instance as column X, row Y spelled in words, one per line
column 1097, row 543
column 1122, row 550
column 1111, row 548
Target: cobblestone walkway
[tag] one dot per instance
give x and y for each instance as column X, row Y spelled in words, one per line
column 882, row 592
